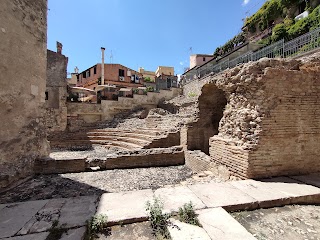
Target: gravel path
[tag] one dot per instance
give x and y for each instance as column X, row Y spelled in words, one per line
column 95, row 183
column 296, row 222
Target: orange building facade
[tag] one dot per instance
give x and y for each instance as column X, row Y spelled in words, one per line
column 114, row 74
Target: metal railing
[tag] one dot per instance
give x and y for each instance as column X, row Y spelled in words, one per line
column 295, row 47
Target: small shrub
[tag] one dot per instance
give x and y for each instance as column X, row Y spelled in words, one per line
column 188, row 215
column 95, row 225
column 150, row 89
column 158, row 219
column 192, row 94
column 148, row 79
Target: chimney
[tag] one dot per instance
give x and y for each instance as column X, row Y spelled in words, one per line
column 59, row 47
column 102, row 65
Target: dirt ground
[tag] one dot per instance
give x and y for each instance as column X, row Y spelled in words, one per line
column 295, row 222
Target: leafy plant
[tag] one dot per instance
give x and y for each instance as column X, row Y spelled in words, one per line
column 192, row 94
column 148, row 79
column 158, row 219
column 96, row 224
column 188, row 215
column 150, row 89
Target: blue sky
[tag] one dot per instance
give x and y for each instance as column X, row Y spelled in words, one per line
column 143, row 33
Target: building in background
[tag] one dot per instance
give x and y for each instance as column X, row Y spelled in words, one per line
column 199, row 59
column 164, row 70
column 147, row 74
column 114, row 74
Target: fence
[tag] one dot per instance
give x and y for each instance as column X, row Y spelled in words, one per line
column 295, row 47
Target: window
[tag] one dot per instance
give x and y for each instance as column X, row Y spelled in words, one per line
column 77, row 78
column 95, row 70
column 121, row 73
column 204, row 59
column 47, row 95
column 84, row 74
column 88, row 73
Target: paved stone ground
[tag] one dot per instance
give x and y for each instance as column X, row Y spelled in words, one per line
column 297, row 222
column 95, row 183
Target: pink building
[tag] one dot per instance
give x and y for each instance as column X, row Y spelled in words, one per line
column 199, row 59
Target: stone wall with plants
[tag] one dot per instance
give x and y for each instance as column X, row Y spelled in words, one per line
column 270, row 123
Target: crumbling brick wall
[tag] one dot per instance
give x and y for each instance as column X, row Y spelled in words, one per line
column 23, row 35
column 211, row 104
column 56, row 92
column 271, row 123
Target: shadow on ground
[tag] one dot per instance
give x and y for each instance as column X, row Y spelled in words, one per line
column 48, row 187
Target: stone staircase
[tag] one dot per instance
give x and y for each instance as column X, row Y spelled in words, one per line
column 118, row 139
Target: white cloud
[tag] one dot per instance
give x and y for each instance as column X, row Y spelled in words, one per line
column 181, row 63
column 245, row 2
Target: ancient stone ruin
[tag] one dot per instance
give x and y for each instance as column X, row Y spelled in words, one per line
column 261, row 119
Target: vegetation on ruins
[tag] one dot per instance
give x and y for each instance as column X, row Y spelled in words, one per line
column 150, row 89
column 158, row 219
column 192, row 94
column 264, row 18
column 97, row 224
column 291, row 29
column 148, row 79
column 188, row 215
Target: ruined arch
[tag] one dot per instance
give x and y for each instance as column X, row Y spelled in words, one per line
column 211, row 102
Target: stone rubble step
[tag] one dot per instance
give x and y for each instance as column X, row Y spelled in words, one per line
column 219, row 224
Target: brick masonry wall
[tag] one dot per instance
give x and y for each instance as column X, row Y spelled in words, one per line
column 23, row 38
column 271, row 123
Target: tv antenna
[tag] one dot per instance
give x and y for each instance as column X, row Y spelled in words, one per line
column 111, row 57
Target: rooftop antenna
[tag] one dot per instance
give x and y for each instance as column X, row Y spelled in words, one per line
column 111, row 57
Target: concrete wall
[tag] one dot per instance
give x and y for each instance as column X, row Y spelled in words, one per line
column 271, row 123
column 56, row 90
column 23, row 37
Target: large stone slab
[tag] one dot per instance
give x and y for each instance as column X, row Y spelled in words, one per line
column 42, row 221
column 184, row 231
column 265, row 195
column 297, row 191
column 175, row 197
column 311, row 179
column 35, row 236
column 74, row 234
column 219, row 224
column 126, row 207
column 76, row 211
column 14, row 216
column 223, row 195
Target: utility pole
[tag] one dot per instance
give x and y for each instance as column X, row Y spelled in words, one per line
column 102, row 65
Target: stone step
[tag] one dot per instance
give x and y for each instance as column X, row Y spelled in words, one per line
column 232, row 196
column 113, row 142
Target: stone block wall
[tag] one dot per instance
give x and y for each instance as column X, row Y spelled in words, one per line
column 23, row 37
column 56, row 92
column 271, row 123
